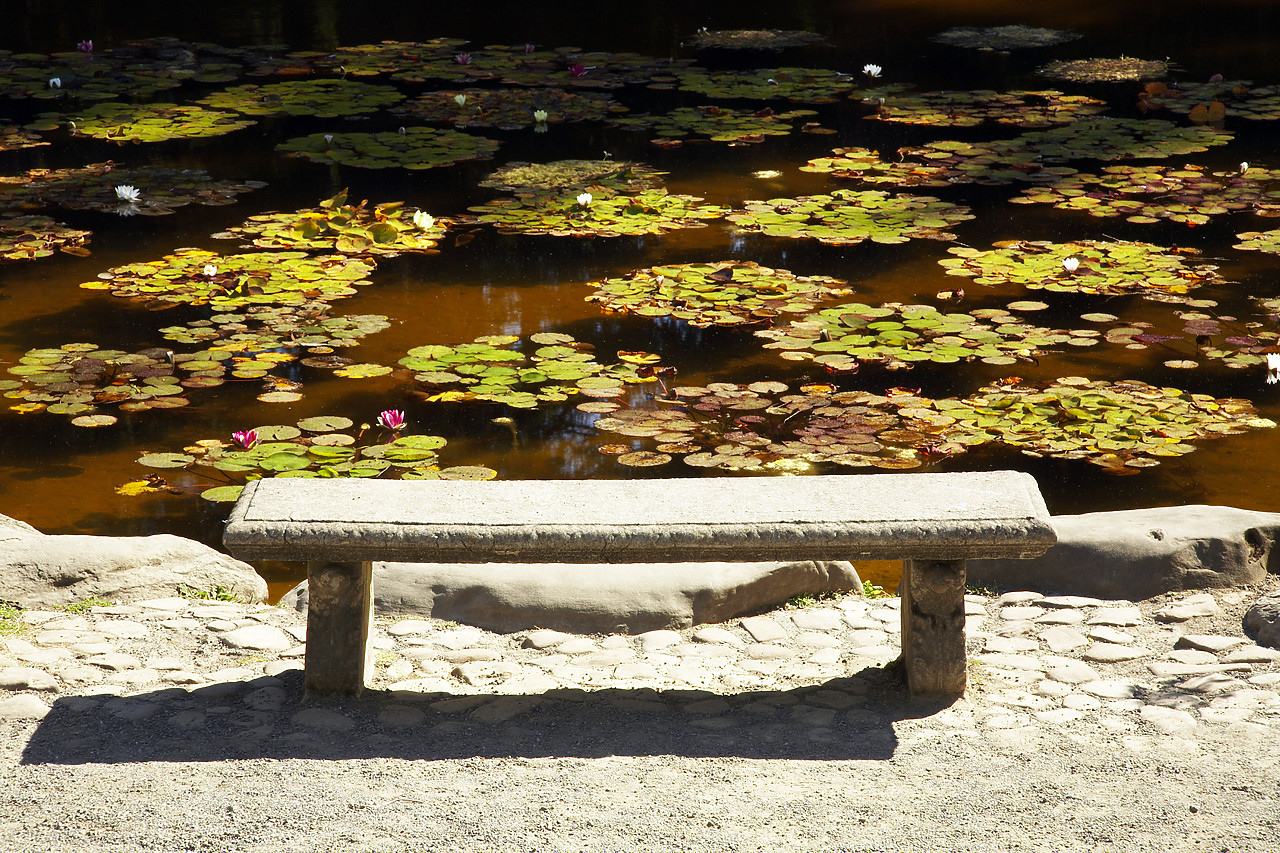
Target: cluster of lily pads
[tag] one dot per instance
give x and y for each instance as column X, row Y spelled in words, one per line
column 510, row 108
column 326, row 446
column 1121, row 426
column 845, row 217
column 715, row 123
column 108, row 187
column 24, row 238
column 411, row 148
column 493, row 369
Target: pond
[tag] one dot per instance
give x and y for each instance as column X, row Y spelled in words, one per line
column 803, row 238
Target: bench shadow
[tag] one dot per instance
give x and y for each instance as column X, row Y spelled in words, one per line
column 849, row 718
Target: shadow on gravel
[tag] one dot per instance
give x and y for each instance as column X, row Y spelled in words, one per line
column 843, row 719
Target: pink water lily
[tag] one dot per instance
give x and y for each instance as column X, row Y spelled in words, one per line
column 462, row 58
column 578, row 70
column 392, row 419
column 85, row 46
column 245, row 438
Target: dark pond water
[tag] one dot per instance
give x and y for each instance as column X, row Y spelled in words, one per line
column 62, row 478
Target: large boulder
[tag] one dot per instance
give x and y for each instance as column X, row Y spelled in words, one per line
column 507, row 597
column 39, row 571
column 1136, row 554
column 1262, row 620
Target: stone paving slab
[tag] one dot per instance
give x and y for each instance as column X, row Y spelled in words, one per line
column 181, row 671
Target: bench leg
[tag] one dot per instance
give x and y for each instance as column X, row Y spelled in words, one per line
column 339, row 620
column 933, row 626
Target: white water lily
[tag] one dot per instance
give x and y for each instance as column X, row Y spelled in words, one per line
column 1071, row 264
column 124, row 192
column 584, row 199
column 1244, row 167
column 1273, row 368
column 539, row 116
column 328, row 137
column 423, row 219
column 460, row 99
column 210, row 270
column 55, row 82
column 871, row 69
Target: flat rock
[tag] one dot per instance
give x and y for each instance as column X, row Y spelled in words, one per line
column 1170, row 721
column 1163, row 669
column 764, row 629
column 48, row 572
column 26, row 678
column 1107, row 634
column 1112, row 653
column 266, row 638
column 1208, row 642
column 589, row 599
column 1262, row 620
column 1061, row 639
column 1116, row 617
column 1071, row 671
column 1251, row 654
column 24, row 706
column 1196, row 605
column 817, row 620
column 1139, row 554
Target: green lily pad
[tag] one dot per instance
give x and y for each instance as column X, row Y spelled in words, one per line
column 229, row 282
column 1117, row 139
column 24, row 238
column 598, row 215
column 1041, row 108
column 1088, row 266
column 1147, row 194
column 807, row 85
column 1259, row 241
column 261, row 329
column 320, row 98
column 159, row 190
column 353, row 229
column 416, row 148
column 1213, row 100
column 846, row 217
column 14, row 138
column 491, row 369
column 317, row 447
column 1009, row 37
column 729, row 293
column 715, row 123
column 153, row 122
column 844, row 337
column 509, row 108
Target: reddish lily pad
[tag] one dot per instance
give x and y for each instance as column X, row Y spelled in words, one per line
column 24, row 238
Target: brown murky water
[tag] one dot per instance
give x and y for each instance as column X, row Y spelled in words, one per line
column 62, row 479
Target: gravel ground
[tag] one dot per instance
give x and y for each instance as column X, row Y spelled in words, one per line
column 602, row 771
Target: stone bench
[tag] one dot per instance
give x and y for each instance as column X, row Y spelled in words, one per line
column 933, row 522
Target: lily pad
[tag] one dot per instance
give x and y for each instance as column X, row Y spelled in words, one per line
column 310, row 450
column 939, row 164
column 529, row 65
column 152, row 122
column 491, row 369
column 160, row 190
column 258, row 329
column 1087, row 266
column 1041, row 108
column 320, row 98
column 1009, row 37
column 729, row 293
column 1259, row 241
column 1105, row 70
column 1212, row 101
column 598, row 215
column 616, row 176
column 846, row 217
column 715, row 123
column 807, row 85
column 1117, row 139
column 230, row 282
column 24, row 238
column 774, row 40
column 1147, row 194
column 844, row 337
column 14, row 138
column 509, row 109
column 416, row 148
column 389, row 228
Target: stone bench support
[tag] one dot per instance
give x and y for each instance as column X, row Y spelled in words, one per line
column 934, row 522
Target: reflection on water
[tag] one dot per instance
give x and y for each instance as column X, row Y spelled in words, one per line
column 62, row 479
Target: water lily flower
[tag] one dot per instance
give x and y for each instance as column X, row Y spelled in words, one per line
column 85, row 46
column 1244, row 167
column 124, row 192
column 1071, row 264
column 539, row 115
column 245, row 438
column 584, row 199
column 578, row 70
column 529, row 48
column 871, row 69
column 1273, row 368
column 460, row 99
column 392, row 419
column 423, row 220
column 55, row 82
column 328, row 137
column 210, row 270
column 462, row 58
